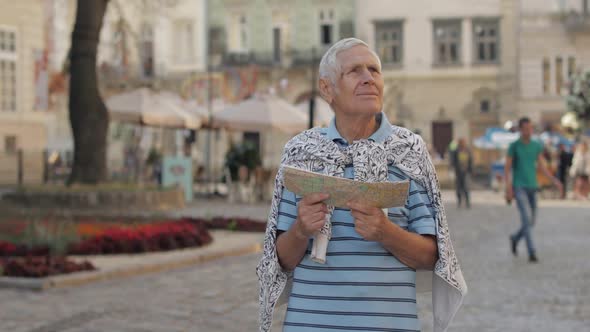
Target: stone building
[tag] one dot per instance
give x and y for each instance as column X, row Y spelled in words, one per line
column 554, row 43
column 270, row 46
column 449, row 66
column 142, row 43
column 23, row 89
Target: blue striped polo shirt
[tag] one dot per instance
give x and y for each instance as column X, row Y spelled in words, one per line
column 362, row 287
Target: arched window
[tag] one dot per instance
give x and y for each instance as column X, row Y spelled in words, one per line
column 146, row 50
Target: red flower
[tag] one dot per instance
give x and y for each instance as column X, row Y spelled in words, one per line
column 146, row 237
column 6, row 248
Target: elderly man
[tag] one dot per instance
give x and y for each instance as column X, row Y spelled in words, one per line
column 368, row 282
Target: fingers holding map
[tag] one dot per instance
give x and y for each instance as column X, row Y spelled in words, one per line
column 378, row 194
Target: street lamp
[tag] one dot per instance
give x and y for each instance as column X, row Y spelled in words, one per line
column 313, row 88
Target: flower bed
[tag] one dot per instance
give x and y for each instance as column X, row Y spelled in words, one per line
column 22, row 259
column 98, row 238
column 237, row 224
column 145, row 238
column 7, row 249
column 38, row 261
column 42, row 266
column 120, row 239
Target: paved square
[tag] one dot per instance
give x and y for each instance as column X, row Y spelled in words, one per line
column 506, row 293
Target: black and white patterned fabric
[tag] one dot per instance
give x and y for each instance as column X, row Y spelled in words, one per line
column 314, row 152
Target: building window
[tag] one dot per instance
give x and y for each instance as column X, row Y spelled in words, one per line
column 326, row 27
column 243, row 33
column 389, row 42
column 486, row 41
column 217, row 40
column 571, row 66
column 8, row 61
column 185, row 46
column 447, row 42
column 558, row 75
column 276, row 38
column 10, row 144
column 326, row 34
column 238, row 37
column 484, row 106
column 120, row 55
column 546, row 75
column 557, row 70
column 7, row 41
column 146, row 50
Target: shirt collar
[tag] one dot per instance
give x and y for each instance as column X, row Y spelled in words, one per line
column 378, row 136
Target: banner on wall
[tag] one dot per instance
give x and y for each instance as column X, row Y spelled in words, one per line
column 232, row 84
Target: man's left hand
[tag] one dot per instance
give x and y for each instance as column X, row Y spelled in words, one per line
column 369, row 222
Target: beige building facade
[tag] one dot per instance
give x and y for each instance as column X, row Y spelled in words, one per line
column 23, row 91
column 22, row 42
column 142, row 43
column 554, row 43
column 267, row 47
column 449, row 66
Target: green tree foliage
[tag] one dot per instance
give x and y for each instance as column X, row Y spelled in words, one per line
column 244, row 154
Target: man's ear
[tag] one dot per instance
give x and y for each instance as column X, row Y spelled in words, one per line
column 326, row 90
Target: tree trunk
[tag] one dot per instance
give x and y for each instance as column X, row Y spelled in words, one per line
column 88, row 115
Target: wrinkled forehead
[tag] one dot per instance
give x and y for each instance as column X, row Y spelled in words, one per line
column 356, row 56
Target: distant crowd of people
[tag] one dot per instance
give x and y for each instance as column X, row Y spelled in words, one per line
column 530, row 166
column 580, row 170
column 569, row 164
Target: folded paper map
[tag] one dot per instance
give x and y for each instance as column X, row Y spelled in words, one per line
column 378, row 194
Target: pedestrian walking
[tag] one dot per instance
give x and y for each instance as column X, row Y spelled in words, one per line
column 563, row 166
column 462, row 163
column 580, row 170
column 525, row 155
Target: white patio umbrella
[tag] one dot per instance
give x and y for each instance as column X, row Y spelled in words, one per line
column 203, row 109
column 323, row 113
column 195, row 115
column 262, row 113
column 157, row 109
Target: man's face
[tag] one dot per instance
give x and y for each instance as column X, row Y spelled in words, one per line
column 526, row 130
column 359, row 86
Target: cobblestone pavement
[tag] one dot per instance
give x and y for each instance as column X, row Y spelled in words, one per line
column 506, row 293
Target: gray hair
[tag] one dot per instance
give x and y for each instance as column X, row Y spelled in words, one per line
column 329, row 65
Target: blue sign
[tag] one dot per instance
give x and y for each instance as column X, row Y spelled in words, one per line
column 495, row 138
column 178, row 172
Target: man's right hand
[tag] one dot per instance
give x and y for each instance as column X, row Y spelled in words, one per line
column 311, row 215
column 509, row 194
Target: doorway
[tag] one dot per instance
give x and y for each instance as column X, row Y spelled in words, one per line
column 442, row 135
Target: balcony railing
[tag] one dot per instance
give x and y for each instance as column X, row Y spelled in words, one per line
column 576, row 21
column 284, row 59
column 243, row 58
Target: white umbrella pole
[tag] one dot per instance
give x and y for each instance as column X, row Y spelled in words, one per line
column 208, row 149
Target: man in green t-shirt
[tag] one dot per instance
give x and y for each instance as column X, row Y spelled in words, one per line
column 524, row 156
